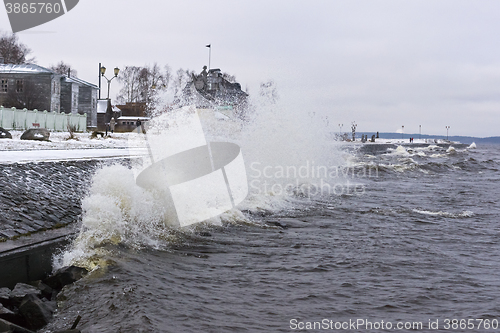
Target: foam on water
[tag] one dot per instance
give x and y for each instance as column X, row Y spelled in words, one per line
column 466, row 213
column 400, row 150
column 451, row 150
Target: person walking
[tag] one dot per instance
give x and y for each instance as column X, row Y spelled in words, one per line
column 112, row 125
column 138, row 124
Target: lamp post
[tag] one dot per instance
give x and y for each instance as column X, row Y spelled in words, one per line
column 103, row 71
column 340, row 129
column 402, row 131
column 420, row 131
column 447, row 128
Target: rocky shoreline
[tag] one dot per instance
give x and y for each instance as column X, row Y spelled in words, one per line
column 29, row 307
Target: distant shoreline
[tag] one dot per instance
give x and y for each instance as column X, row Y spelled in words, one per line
column 461, row 139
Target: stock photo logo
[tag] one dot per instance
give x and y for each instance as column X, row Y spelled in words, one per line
column 198, row 180
column 27, row 15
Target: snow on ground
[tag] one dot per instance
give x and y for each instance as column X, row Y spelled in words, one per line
column 60, row 148
column 58, row 140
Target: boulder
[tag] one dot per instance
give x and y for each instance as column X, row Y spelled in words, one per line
column 36, row 313
column 4, row 134
column 65, row 276
column 7, row 314
column 37, row 134
column 45, row 289
column 5, row 296
column 12, row 316
column 5, row 326
column 20, row 291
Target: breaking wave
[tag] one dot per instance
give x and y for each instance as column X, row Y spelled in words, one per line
column 116, row 211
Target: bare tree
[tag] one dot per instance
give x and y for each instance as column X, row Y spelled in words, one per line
column 63, row 69
column 182, row 77
column 143, row 84
column 12, row 51
column 129, row 77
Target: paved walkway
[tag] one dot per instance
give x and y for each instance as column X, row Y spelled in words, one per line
column 24, row 156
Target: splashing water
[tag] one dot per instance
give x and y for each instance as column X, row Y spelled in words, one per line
column 282, row 149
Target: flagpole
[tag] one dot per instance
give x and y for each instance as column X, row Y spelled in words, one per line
column 209, row 54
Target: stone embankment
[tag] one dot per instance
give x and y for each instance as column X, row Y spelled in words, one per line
column 36, row 197
column 41, row 196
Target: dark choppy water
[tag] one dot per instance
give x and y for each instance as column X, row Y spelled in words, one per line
column 419, row 243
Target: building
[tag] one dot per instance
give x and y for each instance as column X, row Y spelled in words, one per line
column 79, row 96
column 106, row 111
column 129, row 113
column 35, row 87
column 211, row 89
column 137, row 109
column 30, row 86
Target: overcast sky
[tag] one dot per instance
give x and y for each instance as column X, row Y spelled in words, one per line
column 383, row 64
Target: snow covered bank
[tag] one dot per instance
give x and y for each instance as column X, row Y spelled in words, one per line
column 58, row 140
column 59, row 148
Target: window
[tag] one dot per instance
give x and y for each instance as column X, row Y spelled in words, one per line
column 19, row 86
column 4, row 87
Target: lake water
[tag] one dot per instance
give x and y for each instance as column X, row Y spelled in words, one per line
column 402, row 236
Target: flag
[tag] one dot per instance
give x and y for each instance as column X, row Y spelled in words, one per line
column 209, row 45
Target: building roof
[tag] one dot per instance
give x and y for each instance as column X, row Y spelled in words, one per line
column 25, row 69
column 132, row 118
column 102, row 106
column 74, row 79
column 36, row 69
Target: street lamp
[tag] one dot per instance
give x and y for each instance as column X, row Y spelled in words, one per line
column 103, row 71
column 420, row 131
column 402, row 131
column 447, row 128
column 340, row 129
